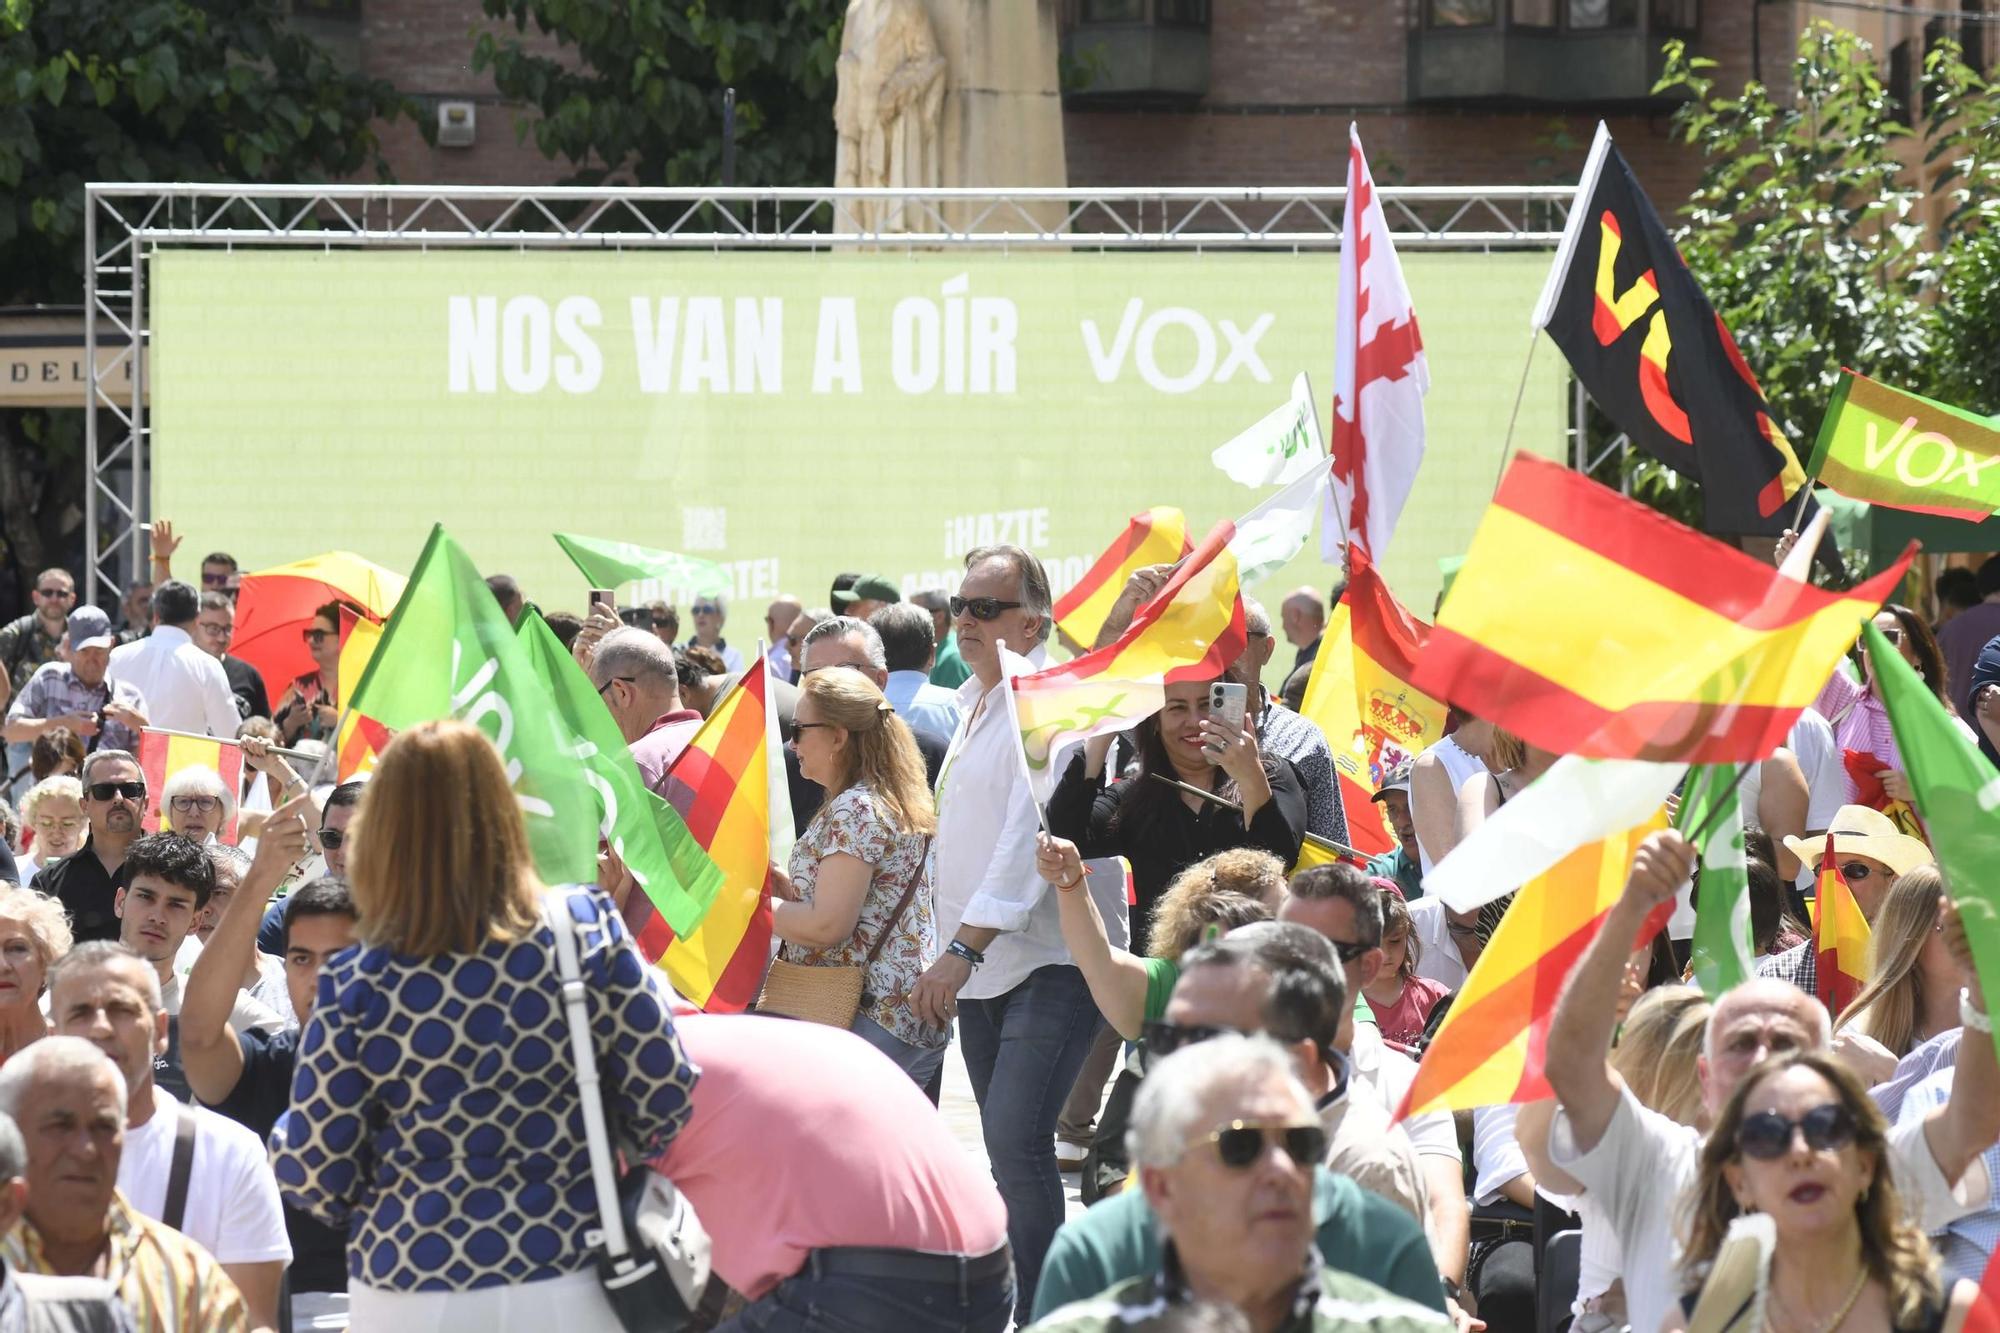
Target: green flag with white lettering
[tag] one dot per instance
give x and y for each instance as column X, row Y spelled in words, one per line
column 1889, row 447
column 614, row 564
column 1957, row 795
column 448, row 651
column 1723, row 947
column 630, row 818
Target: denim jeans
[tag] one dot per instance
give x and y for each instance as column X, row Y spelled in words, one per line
column 803, row 1303
column 919, row 1062
column 1022, row 1052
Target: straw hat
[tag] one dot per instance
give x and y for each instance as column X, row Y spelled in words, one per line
column 1860, row 831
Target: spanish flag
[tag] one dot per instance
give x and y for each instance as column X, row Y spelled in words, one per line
column 1590, row 624
column 1156, row 537
column 165, row 753
column 729, row 787
column 362, row 739
column 1492, row 1047
column 1840, row 937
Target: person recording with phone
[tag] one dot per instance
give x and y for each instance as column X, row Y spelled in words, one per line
column 1198, row 739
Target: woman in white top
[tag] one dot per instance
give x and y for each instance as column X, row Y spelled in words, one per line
column 1435, row 781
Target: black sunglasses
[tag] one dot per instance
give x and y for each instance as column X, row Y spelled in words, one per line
column 1768, row 1135
column 982, row 608
column 108, row 791
column 59, row 594
column 331, row 838
column 1241, row 1143
column 707, row 609
column 1163, row 1039
column 1348, row 951
column 1855, row 870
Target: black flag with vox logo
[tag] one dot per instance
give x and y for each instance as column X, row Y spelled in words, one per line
column 1641, row 335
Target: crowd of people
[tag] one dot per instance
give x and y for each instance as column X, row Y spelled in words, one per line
column 321, row 1055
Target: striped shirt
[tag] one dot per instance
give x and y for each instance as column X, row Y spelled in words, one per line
column 171, row 1284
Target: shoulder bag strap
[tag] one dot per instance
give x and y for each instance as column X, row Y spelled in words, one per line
column 902, row 906
column 182, row 1169
column 603, row 1173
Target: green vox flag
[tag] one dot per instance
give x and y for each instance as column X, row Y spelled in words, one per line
column 1957, row 793
column 1723, row 947
column 613, row 564
column 626, row 818
column 1889, row 447
column 448, row 651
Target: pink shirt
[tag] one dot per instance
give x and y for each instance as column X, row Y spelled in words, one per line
column 656, row 751
column 804, row 1136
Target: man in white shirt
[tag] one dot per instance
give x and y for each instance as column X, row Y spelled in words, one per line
column 1636, row 1164
column 909, row 647
column 185, row 689
column 1026, row 1016
column 228, row 1203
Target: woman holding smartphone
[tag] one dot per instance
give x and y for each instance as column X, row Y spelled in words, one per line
column 1161, row 828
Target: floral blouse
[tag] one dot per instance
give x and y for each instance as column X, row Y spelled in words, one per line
column 851, row 823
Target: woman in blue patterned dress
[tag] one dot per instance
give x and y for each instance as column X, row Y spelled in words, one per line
column 435, row 1109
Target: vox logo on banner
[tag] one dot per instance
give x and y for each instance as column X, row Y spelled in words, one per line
column 1220, row 348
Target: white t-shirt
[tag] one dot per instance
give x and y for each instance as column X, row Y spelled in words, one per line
column 232, row 1199
column 1388, row 1074
column 1496, row 1153
column 1437, row 954
column 1639, row 1170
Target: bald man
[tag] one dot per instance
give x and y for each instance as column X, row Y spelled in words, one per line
column 1304, row 617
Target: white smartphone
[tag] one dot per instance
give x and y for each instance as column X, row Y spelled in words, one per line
column 1227, row 702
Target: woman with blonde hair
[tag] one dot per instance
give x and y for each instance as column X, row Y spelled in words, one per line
column 1803, row 1144
column 436, row 1115
column 1913, row 981
column 53, row 811
column 34, row 933
column 859, row 890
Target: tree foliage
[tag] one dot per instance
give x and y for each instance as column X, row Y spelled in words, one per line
column 1828, row 232
column 632, row 90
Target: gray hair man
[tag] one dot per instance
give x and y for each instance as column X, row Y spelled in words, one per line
column 32, row 1302
column 1227, row 1139
column 909, row 650
column 637, row 676
column 1026, row 1019
column 69, row 1100
column 87, row 882
column 843, row 641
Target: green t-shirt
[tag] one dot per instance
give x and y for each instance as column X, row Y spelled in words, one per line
column 1337, row 1303
column 1359, row 1233
column 1161, row 974
column 949, row 669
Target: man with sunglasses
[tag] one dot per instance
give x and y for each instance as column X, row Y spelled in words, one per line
column 1871, row 853
column 710, row 615
column 184, row 686
column 35, row 638
column 88, row 881
column 1284, row 982
column 1227, row 1142
column 76, row 694
column 1637, row 1164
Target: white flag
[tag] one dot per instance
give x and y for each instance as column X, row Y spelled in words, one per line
column 1380, row 377
column 1279, row 449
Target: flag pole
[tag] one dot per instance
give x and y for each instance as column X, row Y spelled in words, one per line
column 1520, row 393
column 224, row 740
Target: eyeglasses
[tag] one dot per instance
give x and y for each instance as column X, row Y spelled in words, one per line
column 1348, row 950
column 707, row 609
column 629, row 680
column 191, row 804
column 214, row 580
column 1855, row 870
column 1768, row 1135
column 52, row 823
column 331, row 838
column 313, row 636
column 982, row 608
column 1241, row 1143
column 219, row 631
column 56, row 594
column 1163, row 1039
column 670, row 625
column 1894, row 635
column 808, row 726
column 111, row 791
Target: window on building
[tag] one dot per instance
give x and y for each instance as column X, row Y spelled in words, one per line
column 1462, row 13
column 1973, row 35
column 1181, row 13
column 329, row 9
column 1535, row 13
column 1112, row 11
column 1596, row 15
column 1902, row 78
column 1682, row 16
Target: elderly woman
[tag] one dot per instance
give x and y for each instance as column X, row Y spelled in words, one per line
column 34, row 932
column 1803, row 1143
column 53, row 812
column 196, row 803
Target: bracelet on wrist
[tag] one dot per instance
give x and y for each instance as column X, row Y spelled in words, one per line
column 1071, row 886
column 960, row 949
column 1972, row 1017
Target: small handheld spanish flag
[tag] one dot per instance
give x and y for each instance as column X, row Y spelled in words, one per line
column 1840, row 937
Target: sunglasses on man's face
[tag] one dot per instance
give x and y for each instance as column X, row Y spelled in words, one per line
column 707, row 609
column 1241, row 1143
column 1347, row 950
column 982, row 608
column 215, row 580
column 56, row 594
column 1855, row 870
column 1767, row 1135
column 1163, row 1039
column 331, row 838
column 111, row 791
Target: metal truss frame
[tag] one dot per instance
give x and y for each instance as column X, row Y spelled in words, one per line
column 125, row 224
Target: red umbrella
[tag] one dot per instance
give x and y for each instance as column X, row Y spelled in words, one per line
column 275, row 606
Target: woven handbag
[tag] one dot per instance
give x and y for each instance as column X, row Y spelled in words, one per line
column 831, row 995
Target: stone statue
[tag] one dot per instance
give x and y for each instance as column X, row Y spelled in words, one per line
column 886, row 112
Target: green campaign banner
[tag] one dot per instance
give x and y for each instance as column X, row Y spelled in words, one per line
column 1888, row 447
column 448, row 651
column 787, row 416
column 1724, row 953
column 609, row 564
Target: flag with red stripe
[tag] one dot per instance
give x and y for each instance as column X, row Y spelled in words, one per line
column 164, row 753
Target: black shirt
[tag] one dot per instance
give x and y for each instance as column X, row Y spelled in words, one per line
column 247, row 685
column 86, row 890
column 1088, row 816
column 262, row 1093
